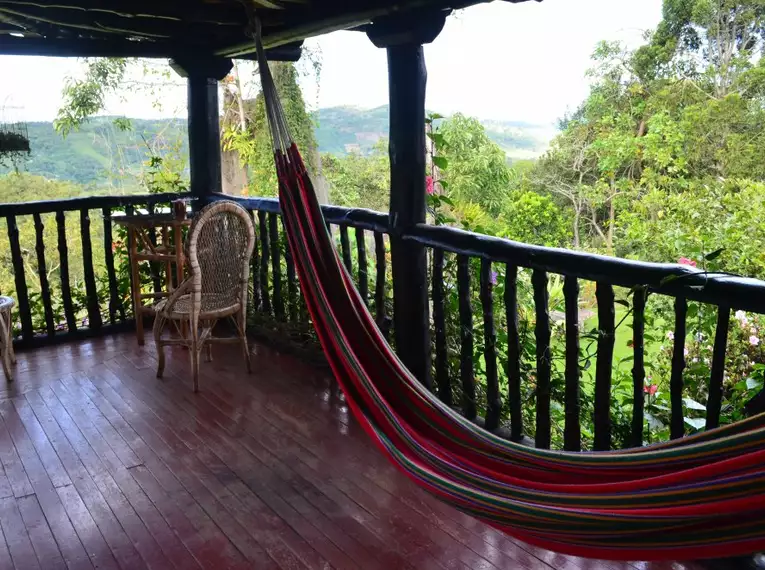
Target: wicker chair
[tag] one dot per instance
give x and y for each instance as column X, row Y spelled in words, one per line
column 219, row 248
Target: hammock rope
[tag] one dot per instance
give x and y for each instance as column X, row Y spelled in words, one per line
column 698, row 497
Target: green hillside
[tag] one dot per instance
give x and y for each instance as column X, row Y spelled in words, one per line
column 102, row 155
column 99, row 154
column 344, row 129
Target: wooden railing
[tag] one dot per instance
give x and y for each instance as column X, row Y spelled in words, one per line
column 67, row 304
column 461, row 262
column 485, row 363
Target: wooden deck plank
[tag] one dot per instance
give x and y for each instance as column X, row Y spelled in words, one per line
column 55, row 511
column 106, row 466
column 123, row 531
column 179, row 418
column 156, row 509
column 125, row 496
column 189, row 474
column 276, row 435
column 16, row 534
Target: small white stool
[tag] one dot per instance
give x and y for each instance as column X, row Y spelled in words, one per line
column 6, row 339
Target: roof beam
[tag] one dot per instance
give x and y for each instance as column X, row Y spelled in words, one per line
column 78, row 47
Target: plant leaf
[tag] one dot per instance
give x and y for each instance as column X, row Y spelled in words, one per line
column 669, row 279
column 692, row 404
column 441, row 162
column 714, row 255
column 696, row 423
column 654, row 422
column 753, row 384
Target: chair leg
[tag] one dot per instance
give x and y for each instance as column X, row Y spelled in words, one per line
column 195, row 363
column 241, row 325
column 7, row 346
column 159, row 325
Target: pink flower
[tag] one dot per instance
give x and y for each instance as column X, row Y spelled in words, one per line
column 651, row 390
column 754, row 341
column 429, row 185
column 671, row 335
column 686, row 261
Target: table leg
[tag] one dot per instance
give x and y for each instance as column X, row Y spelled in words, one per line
column 179, row 264
column 136, row 286
column 168, row 264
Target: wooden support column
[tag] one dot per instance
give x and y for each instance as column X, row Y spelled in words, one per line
column 202, row 75
column 407, row 78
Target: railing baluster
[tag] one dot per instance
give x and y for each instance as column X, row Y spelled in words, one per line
column 439, row 324
column 714, row 402
column 466, row 338
column 677, row 424
column 292, row 293
column 114, row 300
column 604, row 293
column 42, row 272
column 513, row 353
column 361, row 253
column 543, row 333
column 276, row 266
column 22, row 294
column 255, row 270
column 129, row 211
column 265, row 252
column 638, row 365
column 380, row 270
column 63, row 254
column 154, row 267
column 493, row 400
column 94, row 311
column 345, row 245
column 572, row 434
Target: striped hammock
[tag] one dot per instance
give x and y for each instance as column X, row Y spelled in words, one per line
column 697, row 497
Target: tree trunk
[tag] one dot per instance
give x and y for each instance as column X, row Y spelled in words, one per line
column 611, row 216
column 320, row 183
column 577, row 215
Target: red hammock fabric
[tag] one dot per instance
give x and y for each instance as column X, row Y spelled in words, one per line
column 700, row 497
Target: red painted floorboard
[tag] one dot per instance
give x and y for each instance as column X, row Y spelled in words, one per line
column 105, row 466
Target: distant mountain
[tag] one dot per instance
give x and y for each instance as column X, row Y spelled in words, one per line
column 345, row 129
column 100, row 154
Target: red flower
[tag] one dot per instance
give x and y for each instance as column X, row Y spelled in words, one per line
column 686, row 261
column 429, row 185
column 651, row 390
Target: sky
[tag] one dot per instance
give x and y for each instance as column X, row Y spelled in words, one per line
column 503, row 61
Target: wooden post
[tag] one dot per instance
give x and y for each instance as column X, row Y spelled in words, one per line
column 407, row 78
column 202, row 75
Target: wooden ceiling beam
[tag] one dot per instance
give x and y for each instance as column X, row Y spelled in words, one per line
column 105, row 22
column 170, row 10
column 117, row 47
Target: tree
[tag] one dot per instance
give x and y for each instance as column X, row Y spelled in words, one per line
column 360, row 181
column 476, row 168
column 254, row 144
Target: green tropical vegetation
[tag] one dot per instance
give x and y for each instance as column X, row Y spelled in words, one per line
column 663, row 161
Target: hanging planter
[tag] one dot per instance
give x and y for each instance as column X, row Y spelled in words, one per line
column 14, row 140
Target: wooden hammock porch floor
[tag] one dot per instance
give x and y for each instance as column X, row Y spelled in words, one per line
column 105, row 466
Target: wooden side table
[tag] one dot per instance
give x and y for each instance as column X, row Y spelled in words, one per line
column 168, row 252
column 6, row 338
